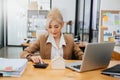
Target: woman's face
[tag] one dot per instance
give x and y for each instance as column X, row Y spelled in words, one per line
column 55, row 28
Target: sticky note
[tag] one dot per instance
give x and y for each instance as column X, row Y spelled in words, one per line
column 8, row 68
column 105, row 18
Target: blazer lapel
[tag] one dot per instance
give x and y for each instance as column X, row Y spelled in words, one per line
column 64, row 47
column 48, row 51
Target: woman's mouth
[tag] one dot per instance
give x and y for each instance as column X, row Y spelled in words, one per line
column 54, row 33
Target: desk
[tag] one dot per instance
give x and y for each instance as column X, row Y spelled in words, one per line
column 32, row 73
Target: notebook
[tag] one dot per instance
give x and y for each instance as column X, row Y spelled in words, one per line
column 96, row 55
column 12, row 67
column 11, row 64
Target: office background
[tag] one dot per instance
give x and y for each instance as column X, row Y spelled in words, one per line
column 85, row 15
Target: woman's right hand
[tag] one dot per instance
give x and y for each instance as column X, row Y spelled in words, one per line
column 36, row 59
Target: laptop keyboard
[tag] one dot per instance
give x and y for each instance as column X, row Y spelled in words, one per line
column 77, row 66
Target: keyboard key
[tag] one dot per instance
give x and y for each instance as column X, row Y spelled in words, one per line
column 77, row 66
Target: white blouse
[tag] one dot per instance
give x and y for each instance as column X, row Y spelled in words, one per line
column 56, row 51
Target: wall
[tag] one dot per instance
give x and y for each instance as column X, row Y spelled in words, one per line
column 16, row 21
column 108, row 5
column 67, row 9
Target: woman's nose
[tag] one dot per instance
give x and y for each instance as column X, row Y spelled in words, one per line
column 53, row 30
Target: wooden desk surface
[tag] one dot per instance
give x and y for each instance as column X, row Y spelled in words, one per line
column 32, row 73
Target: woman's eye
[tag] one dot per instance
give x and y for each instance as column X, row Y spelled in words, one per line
column 50, row 27
column 56, row 26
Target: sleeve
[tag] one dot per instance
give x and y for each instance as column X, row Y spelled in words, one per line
column 77, row 51
column 31, row 49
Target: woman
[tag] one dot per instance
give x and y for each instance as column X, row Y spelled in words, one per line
column 54, row 43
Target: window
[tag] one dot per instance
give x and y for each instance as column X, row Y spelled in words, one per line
column 87, row 20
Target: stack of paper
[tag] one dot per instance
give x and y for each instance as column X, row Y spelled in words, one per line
column 12, row 67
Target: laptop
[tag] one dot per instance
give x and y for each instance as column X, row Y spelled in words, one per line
column 96, row 55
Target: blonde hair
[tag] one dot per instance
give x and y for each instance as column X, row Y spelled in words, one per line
column 54, row 14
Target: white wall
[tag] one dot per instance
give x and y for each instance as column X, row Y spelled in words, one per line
column 109, row 5
column 67, row 8
column 17, row 21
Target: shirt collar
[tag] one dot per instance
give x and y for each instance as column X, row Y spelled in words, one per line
column 62, row 40
column 51, row 39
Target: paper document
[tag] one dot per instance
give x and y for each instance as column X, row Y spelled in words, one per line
column 12, row 67
column 11, row 64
